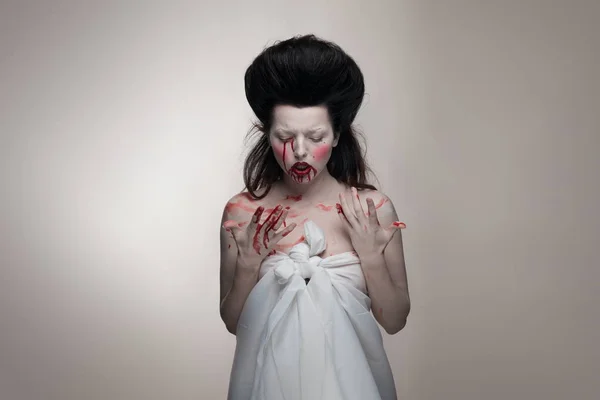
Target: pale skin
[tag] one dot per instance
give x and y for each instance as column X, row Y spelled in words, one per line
column 364, row 222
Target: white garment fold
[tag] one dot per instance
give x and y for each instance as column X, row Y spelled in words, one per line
column 315, row 341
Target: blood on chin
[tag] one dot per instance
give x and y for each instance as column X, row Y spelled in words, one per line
column 302, row 176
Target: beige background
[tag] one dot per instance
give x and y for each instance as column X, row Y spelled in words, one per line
column 122, row 126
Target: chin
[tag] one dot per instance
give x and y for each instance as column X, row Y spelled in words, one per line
column 303, row 178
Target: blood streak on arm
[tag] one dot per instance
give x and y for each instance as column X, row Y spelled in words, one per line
column 378, row 205
column 238, row 204
column 381, row 203
column 229, row 223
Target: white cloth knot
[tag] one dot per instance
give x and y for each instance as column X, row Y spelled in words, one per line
column 298, row 262
column 303, row 259
column 284, row 271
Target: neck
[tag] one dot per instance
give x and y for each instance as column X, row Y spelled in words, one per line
column 314, row 190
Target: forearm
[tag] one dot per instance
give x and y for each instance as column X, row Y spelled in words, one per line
column 233, row 303
column 390, row 302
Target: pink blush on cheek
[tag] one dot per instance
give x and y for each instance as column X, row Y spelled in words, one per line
column 322, row 152
column 278, row 150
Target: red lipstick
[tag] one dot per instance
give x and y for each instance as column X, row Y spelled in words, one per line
column 302, row 170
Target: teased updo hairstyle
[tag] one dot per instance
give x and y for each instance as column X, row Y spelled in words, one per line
column 305, row 71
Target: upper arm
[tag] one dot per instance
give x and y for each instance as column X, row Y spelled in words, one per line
column 229, row 254
column 394, row 251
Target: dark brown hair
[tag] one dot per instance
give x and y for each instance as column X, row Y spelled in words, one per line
column 305, row 71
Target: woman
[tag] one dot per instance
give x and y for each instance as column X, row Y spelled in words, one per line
column 310, row 248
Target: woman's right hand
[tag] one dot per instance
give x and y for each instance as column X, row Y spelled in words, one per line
column 257, row 240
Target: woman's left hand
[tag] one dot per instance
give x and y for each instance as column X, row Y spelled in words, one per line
column 365, row 231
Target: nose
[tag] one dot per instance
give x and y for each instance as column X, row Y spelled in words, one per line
column 300, row 149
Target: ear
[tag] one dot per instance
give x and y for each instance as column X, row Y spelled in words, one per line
column 336, row 139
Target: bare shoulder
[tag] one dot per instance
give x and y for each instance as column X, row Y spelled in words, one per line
column 241, row 206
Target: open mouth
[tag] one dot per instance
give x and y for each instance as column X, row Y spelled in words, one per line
column 302, row 170
column 301, row 167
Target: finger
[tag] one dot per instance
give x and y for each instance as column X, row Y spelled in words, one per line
column 358, row 209
column 373, row 220
column 255, row 218
column 231, row 227
column 272, row 227
column 393, row 228
column 280, row 235
column 229, row 223
column 269, row 222
column 397, row 225
column 281, row 219
column 347, row 212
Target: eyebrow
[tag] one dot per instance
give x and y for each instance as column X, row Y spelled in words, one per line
column 291, row 132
